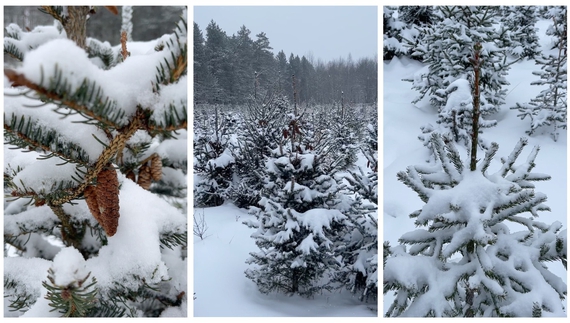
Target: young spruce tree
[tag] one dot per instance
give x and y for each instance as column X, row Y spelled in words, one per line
column 548, row 111
column 465, row 261
column 213, row 159
column 90, row 131
column 520, row 22
column 297, row 219
column 446, row 49
column 264, row 119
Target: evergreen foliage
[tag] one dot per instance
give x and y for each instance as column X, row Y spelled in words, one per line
column 264, row 120
column 520, row 21
column 300, row 217
column 365, row 182
column 358, row 249
column 281, row 137
column 462, row 118
column 229, row 68
column 214, row 161
column 416, row 15
column 447, row 47
column 295, row 226
column 74, row 299
column 415, row 18
column 392, row 36
column 346, row 129
column 75, row 149
column 471, row 263
column 548, row 111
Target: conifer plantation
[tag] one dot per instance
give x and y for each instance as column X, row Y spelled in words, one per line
column 293, row 143
column 486, row 243
column 95, row 164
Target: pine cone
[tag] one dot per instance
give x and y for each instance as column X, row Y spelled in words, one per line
column 107, row 191
column 144, row 177
column 91, row 198
column 156, row 167
column 131, row 175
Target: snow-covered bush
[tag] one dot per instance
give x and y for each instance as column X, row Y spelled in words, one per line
column 89, row 133
column 392, row 38
column 357, row 249
column 466, row 261
column 213, row 158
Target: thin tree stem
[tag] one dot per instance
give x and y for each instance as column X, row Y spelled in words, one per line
column 475, row 136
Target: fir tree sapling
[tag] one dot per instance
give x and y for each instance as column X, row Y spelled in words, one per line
column 359, row 247
column 520, row 24
column 467, row 261
column 365, row 182
column 446, row 49
column 90, row 133
column 548, row 111
column 304, row 216
column 296, row 222
column 264, row 119
column 214, row 162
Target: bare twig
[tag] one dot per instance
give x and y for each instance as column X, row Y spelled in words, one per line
column 200, row 226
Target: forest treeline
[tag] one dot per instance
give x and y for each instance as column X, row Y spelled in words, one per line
column 229, row 69
column 150, row 22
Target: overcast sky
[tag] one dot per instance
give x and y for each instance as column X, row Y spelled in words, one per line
column 325, row 32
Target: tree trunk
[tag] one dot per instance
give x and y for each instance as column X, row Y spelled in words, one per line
column 476, row 61
column 76, row 24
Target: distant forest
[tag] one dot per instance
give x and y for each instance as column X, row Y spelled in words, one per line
column 149, row 22
column 230, row 69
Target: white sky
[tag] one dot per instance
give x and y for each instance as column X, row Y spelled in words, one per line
column 325, row 32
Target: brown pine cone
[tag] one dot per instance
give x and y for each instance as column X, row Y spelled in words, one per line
column 107, row 190
column 144, row 177
column 156, row 167
column 90, row 195
column 131, row 175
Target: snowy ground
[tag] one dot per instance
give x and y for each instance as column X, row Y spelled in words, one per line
column 401, row 126
column 222, row 290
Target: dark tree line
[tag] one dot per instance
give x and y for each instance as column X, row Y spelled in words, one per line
column 149, row 22
column 228, row 69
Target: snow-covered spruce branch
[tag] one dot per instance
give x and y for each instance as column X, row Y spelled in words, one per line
column 111, row 120
column 176, row 64
column 88, row 99
column 22, row 132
